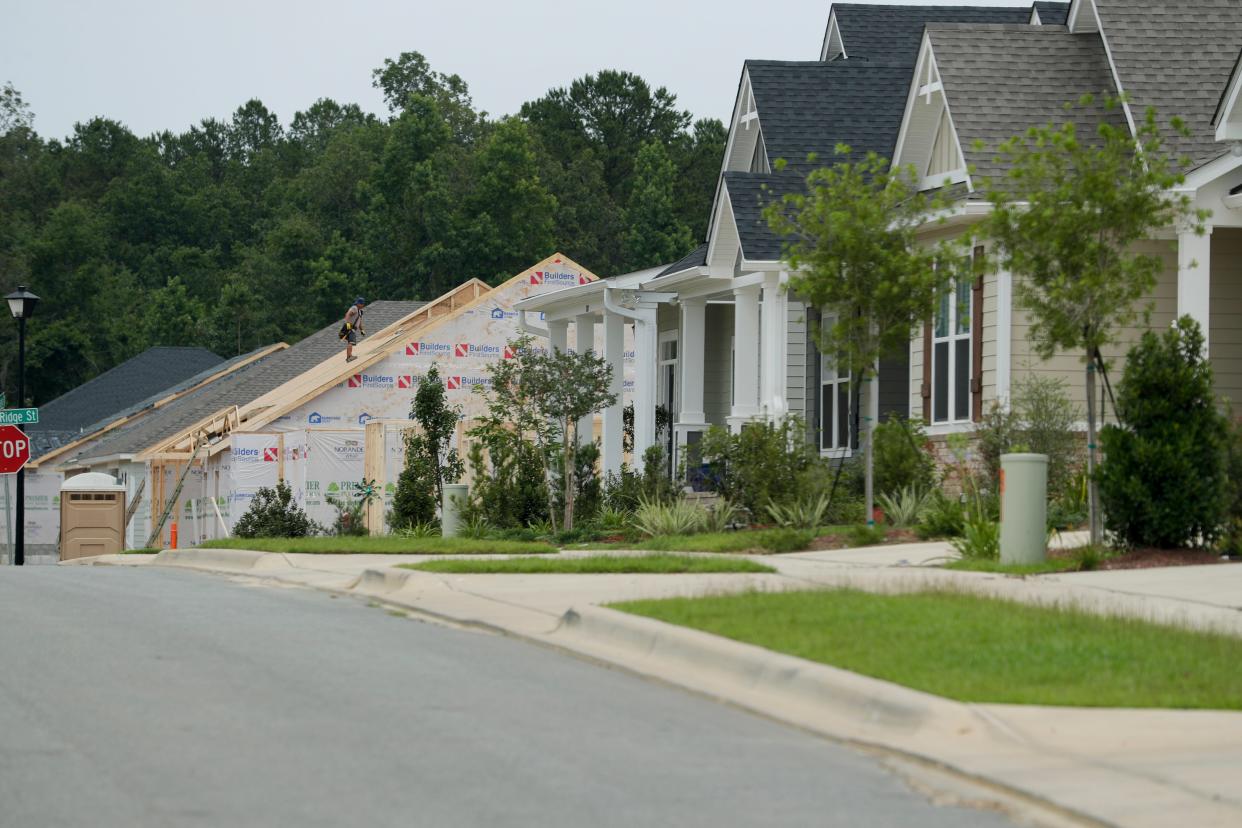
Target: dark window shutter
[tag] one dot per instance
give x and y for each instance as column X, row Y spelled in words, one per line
column 976, row 339
column 927, row 372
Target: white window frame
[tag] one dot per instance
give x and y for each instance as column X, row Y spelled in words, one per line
column 957, row 313
column 839, row 446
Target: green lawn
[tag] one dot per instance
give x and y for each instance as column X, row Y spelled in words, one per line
column 384, row 546
column 1049, row 566
column 757, row 541
column 977, row 649
column 144, row 551
column 595, row 564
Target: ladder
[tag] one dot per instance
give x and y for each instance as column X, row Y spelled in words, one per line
column 158, row 528
column 134, row 502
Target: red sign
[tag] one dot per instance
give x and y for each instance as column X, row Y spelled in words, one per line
column 269, row 455
column 14, row 449
column 510, row 353
column 536, row 278
column 405, row 381
column 461, row 350
column 454, row 383
column 412, row 349
column 355, row 381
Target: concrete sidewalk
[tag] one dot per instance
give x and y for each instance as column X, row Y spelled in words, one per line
column 1098, row 766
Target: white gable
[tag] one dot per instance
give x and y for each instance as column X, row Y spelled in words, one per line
column 928, row 141
column 1228, row 118
column 833, row 46
column 723, row 244
column 743, row 130
column 1083, row 17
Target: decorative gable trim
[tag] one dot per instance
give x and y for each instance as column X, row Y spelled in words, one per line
column 1083, row 18
column 1228, row 117
column 928, row 140
column 743, row 130
column 1035, row 21
column 724, row 244
column 834, row 46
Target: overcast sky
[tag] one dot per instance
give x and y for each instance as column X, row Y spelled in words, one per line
column 165, row 64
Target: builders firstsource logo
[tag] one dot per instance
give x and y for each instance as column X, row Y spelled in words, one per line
column 379, row 381
column 420, row 348
column 560, row 278
column 469, row 349
column 254, row 455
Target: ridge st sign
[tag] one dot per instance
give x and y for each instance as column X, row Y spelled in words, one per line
column 14, row 449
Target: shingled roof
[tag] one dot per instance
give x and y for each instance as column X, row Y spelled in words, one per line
column 1001, row 79
column 1176, row 57
column 749, row 194
column 809, row 107
column 695, row 258
column 1052, row 14
column 240, row 387
column 115, row 390
column 894, row 33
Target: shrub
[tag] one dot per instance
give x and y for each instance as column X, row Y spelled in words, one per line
column 903, row 507
column 980, row 539
column 803, row 513
column 864, row 535
column 1040, row 419
column 942, row 517
column 274, row 514
column 722, row 516
column 420, row 530
column 678, row 517
column 430, row 461
column 613, row 520
column 778, row 541
column 761, row 464
column 1163, row 480
column 901, row 457
column 508, row 488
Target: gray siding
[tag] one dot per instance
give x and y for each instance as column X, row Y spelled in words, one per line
column 718, row 364
column 796, row 359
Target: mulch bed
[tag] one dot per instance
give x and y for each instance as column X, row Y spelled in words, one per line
column 1152, row 558
column 843, row 541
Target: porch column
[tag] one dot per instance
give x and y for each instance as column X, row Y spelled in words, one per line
column 614, row 415
column 745, row 355
column 1194, row 269
column 775, row 335
column 645, row 345
column 584, row 340
column 558, row 334
column 690, row 361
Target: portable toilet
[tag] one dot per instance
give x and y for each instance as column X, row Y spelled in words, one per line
column 92, row 516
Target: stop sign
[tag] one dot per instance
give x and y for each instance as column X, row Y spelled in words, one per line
column 14, row 449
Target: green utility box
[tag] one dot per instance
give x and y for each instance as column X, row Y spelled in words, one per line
column 450, row 510
column 1024, row 508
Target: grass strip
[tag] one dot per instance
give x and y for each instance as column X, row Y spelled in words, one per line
column 144, row 551
column 393, row 545
column 1050, row 566
column 978, row 649
column 595, row 564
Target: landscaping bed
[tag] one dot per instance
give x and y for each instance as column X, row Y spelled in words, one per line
column 596, row 564
column 393, row 545
column 1074, row 560
column 978, row 649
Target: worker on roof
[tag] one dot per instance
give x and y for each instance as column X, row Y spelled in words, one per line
column 353, row 327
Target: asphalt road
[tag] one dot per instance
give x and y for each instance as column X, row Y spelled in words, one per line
column 145, row 697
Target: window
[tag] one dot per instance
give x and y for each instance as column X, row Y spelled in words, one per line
column 834, row 401
column 951, row 354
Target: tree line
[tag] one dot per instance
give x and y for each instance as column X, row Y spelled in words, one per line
column 241, row 232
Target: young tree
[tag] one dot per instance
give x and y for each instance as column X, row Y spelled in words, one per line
column 1066, row 217
column 430, row 460
column 854, row 253
column 655, row 233
column 545, row 393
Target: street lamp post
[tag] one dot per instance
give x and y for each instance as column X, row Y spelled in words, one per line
column 21, row 304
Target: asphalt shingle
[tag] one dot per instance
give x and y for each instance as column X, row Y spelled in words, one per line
column 1001, row 80
column 116, row 389
column 695, row 258
column 1175, row 57
column 894, row 33
column 242, row 386
column 750, row 194
column 1052, row 14
column 809, row 107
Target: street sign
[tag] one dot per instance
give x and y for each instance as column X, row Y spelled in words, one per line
column 19, row 416
column 14, row 449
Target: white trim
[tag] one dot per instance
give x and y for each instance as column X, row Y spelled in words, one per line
column 934, row 182
column 941, row 429
column 1223, row 111
column 1076, row 27
column 1034, row 21
column 927, row 82
column 1209, row 172
column 724, row 208
column 1004, row 335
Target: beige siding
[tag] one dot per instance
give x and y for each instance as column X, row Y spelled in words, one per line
column 796, row 360
column 916, row 374
column 991, row 319
column 1069, row 367
column 1225, row 316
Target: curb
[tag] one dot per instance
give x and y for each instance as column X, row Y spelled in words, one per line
column 222, row 560
column 867, row 702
